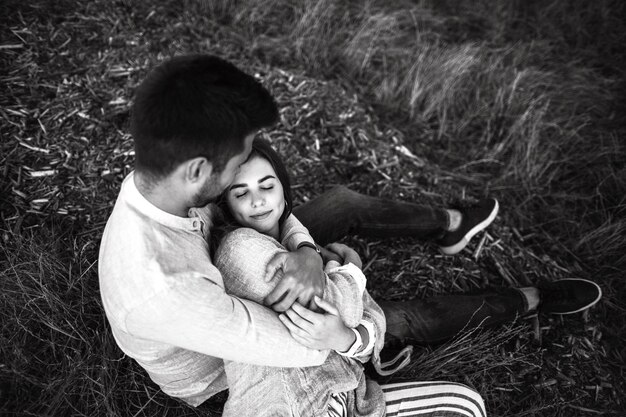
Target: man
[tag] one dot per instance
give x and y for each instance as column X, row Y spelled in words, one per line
column 193, row 121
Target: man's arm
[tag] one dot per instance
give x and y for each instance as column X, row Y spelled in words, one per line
column 198, row 315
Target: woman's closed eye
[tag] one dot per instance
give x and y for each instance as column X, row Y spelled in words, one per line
column 241, row 194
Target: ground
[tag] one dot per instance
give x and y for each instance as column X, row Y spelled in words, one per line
column 435, row 102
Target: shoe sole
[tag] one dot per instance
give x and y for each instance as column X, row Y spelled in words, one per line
column 454, row 249
column 591, row 304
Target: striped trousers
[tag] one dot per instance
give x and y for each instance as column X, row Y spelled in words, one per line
column 434, row 399
column 440, row 399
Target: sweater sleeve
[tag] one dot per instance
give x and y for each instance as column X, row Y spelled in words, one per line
column 243, row 255
column 344, row 289
column 294, row 233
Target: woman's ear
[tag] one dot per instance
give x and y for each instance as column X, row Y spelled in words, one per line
column 198, row 170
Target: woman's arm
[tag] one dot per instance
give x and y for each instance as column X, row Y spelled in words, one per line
column 242, row 257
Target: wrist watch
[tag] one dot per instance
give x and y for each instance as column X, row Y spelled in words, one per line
column 310, row 245
column 358, row 343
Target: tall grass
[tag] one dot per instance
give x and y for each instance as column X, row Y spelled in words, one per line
column 523, row 95
column 519, row 99
column 531, row 90
column 58, row 356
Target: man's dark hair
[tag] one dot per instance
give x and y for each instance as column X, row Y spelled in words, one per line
column 198, row 105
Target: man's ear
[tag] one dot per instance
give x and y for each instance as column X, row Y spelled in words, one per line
column 198, row 169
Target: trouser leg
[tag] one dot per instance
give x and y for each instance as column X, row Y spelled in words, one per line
column 438, row 319
column 441, row 399
column 341, row 211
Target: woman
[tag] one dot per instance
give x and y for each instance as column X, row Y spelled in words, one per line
column 255, row 206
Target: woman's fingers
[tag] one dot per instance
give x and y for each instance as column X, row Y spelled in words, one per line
column 298, row 320
column 295, row 331
column 346, row 253
column 305, row 313
column 328, row 255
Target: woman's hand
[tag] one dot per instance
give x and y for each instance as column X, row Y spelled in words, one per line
column 328, row 256
column 318, row 330
column 346, row 253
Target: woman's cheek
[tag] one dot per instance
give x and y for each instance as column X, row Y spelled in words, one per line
column 281, row 207
column 241, row 217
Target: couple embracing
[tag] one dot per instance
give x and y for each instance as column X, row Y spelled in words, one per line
column 211, row 279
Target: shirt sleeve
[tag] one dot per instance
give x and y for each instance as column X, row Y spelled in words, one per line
column 199, row 315
column 367, row 350
column 294, row 233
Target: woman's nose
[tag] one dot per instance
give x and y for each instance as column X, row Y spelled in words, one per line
column 257, row 200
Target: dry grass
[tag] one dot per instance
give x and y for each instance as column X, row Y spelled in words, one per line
column 425, row 101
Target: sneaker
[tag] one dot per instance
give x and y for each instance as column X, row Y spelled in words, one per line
column 474, row 219
column 568, row 296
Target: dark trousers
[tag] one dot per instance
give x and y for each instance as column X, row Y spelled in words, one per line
column 341, row 211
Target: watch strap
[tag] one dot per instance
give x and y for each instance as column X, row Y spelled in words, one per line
column 310, row 245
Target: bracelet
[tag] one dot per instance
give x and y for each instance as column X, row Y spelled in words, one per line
column 310, row 245
column 358, row 343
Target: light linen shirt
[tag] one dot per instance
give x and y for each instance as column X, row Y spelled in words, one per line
column 167, row 307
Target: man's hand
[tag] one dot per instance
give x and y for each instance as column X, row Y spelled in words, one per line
column 303, row 278
column 346, row 253
column 319, row 331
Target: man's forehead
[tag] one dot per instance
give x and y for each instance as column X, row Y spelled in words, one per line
column 249, row 140
column 247, row 146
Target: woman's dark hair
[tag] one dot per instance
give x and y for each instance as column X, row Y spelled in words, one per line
column 198, row 105
column 224, row 223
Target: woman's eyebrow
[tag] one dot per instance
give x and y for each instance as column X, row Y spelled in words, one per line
column 232, row 187
column 265, row 178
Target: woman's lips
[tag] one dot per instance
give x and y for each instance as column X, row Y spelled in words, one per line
column 262, row 216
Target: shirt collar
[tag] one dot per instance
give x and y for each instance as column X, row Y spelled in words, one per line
column 137, row 200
